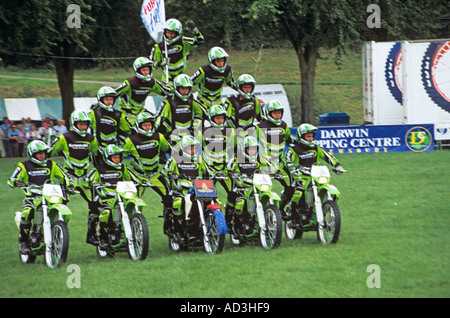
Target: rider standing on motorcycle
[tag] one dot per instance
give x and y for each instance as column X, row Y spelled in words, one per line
column 180, row 114
column 219, row 143
column 305, row 152
column 133, row 91
column 241, row 173
column 177, row 47
column 77, row 146
column 211, row 77
column 35, row 171
column 146, row 147
column 110, row 171
column 181, row 169
column 274, row 134
column 108, row 124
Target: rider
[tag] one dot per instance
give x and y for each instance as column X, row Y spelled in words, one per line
column 244, row 110
column 241, row 172
column 181, row 169
column 211, row 77
column 177, row 47
column 180, row 114
column 108, row 124
column 305, row 152
column 219, row 143
column 133, row 91
column 77, row 146
column 145, row 149
column 35, row 171
column 110, row 171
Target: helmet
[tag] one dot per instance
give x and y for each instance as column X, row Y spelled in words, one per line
column 245, row 79
column 189, row 141
column 34, row 147
column 145, row 117
column 79, row 116
column 175, row 26
column 217, row 110
column 106, row 91
column 182, row 80
column 250, row 142
column 113, row 150
column 272, row 106
column 217, row 53
column 138, row 64
column 305, row 129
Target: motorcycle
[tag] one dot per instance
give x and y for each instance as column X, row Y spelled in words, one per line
column 204, row 223
column 262, row 220
column 317, row 209
column 127, row 228
column 49, row 233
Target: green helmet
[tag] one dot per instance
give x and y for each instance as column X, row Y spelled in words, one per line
column 33, row 148
column 182, row 80
column 305, row 129
column 113, row 150
column 217, row 110
column 272, row 106
column 175, row 26
column 187, row 142
column 247, row 143
column 217, row 53
column 145, row 117
column 245, row 79
column 79, row 116
column 103, row 92
column 139, row 63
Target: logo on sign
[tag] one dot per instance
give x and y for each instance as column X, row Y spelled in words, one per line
column 418, row 139
column 204, row 188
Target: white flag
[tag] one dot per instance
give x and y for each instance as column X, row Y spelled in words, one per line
column 153, row 15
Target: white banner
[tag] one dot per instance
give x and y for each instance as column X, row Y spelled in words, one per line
column 153, row 15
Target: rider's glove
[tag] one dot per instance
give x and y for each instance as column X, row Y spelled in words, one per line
column 191, row 27
column 339, row 169
column 163, row 63
column 19, row 183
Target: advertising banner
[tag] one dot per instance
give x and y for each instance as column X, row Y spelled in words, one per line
column 373, row 139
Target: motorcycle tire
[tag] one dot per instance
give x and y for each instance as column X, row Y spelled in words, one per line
column 141, row 235
column 332, row 223
column 271, row 237
column 57, row 253
column 216, row 241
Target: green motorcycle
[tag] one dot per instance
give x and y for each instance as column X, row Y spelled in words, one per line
column 261, row 219
column 127, row 228
column 314, row 205
column 49, row 233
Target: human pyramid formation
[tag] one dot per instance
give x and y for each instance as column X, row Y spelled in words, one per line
column 193, row 136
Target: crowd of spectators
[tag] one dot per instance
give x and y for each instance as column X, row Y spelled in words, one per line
column 16, row 136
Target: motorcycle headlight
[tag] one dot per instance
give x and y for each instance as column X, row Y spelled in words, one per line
column 323, row 180
column 265, row 187
column 54, row 199
column 128, row 195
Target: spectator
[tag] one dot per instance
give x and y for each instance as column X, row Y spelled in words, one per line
column 43, row 130
column 5, row 126
column 60, row 128
column 33, row 134
column 21, row 141
column 25, row 125
column 13, row 137
column 2, row 149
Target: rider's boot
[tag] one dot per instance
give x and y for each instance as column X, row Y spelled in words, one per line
column 91, row 238
column 103, row 244
column 24, row 244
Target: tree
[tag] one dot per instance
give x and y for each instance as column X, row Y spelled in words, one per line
column 313, row 24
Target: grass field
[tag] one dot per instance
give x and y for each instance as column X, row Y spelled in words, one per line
column 393, row 213
column 337, row 89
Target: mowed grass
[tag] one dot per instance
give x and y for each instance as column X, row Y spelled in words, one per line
column 337, row 88
column 394, row 208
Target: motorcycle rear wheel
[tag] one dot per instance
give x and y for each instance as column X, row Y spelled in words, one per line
column 271, row 236
column 332, row 223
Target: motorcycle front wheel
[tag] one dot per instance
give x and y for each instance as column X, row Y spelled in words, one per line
column 331, row 229
column 56, row 254
column 216, row 241
column 138, row 250
column 270, row 237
